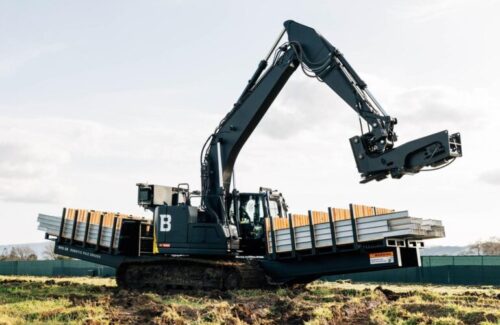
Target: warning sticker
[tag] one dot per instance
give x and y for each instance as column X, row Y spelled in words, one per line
column 381, row 258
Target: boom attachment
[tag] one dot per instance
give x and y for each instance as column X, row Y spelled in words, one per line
column 436, row 150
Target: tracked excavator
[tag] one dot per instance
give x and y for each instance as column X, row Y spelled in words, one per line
column 238, row 239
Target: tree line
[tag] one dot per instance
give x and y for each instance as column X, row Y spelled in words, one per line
column 18, row 253
column 26, row 253
column 486, row 247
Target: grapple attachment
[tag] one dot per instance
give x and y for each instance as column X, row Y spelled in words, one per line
column 435, row 151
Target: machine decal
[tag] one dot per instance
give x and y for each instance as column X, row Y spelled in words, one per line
column 78, row 251
column 165, row 222
column 382, row 258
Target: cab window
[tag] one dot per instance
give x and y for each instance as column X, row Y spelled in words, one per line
column 274, row 209
column 251, row 210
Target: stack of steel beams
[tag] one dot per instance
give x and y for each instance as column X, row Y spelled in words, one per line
column 369, row 227
column 86, row 227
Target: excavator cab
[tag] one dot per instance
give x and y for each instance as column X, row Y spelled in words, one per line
column 249, row 210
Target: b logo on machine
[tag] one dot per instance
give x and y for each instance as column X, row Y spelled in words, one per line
column 165, row 222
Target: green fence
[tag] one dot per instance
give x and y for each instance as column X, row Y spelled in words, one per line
column 433, row 261
column 459, row 270
column 55, row 268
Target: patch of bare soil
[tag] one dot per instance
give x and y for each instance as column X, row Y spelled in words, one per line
column 132, row 307
column 391, row 295
column 13, row 281
column 432, row 310
column 360, row 313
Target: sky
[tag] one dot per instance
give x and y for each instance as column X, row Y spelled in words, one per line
column 98, row 96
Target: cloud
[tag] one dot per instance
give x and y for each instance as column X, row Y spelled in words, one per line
column 36, row 190
column 23, row 160
column 308, row 106
column 31, row 156
column 33, row 152
column 40, row 157
column 491, row 177
column 436, row 104
column 305, row 105
column 11, row 63
column 425, row 10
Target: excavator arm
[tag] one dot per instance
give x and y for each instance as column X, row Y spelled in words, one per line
column 374, row 151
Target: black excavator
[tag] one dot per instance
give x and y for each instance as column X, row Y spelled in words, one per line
column 225, row 242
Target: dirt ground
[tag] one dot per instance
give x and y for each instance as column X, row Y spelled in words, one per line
column 39, row 300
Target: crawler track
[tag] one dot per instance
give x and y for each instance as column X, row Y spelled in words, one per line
column 185, row 273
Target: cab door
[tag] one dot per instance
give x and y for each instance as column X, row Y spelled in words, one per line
column 250, row 219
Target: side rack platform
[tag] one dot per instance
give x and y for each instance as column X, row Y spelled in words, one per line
column 98, row 231
column 347, row 229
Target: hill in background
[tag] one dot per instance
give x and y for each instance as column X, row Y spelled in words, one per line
column 444, row 250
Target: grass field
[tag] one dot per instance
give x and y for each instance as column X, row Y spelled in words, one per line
column 39, row 300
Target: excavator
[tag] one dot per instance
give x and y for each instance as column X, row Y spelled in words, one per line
column 231, row 239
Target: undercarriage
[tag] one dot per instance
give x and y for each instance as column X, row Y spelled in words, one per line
column 186, row 273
